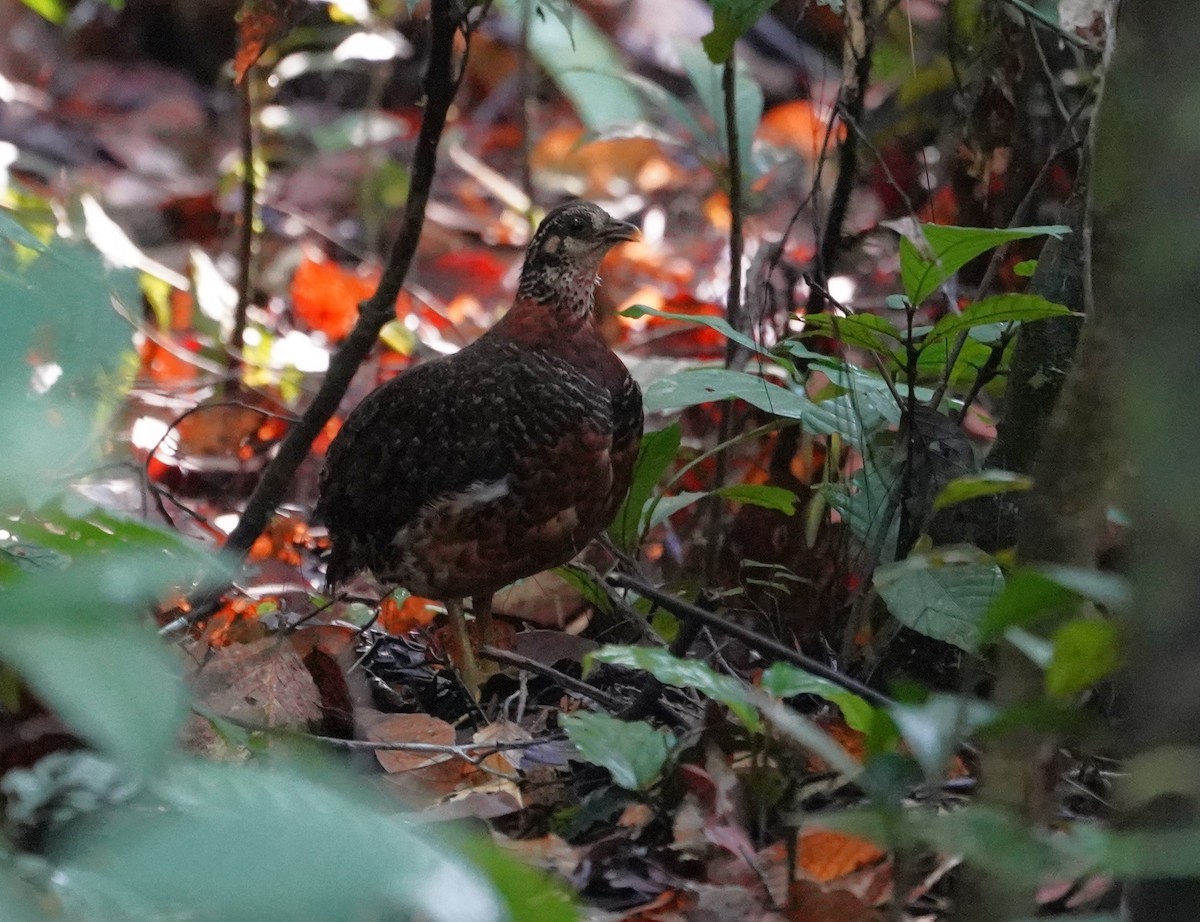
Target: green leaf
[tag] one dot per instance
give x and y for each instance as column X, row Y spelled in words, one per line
column 72, row 632
column 1025, row 268
column 935, row 728
column 682, row 673
column 943, row 593
column 1111, row 590
column 657, row 451
column 72, row 635
column 1027, row 597
column 633, row 751
column 1001, row 308
column 868, row 331
column 52, row 10
column 704, row 385
column 731, row 20
column 579, row 59
column 764, row 495
column 61, row 363
column 666, row 506
column 985, row 483
column 719, row 324
column 706, row 78
column 254, row 842
column 785, row 681
column 951, row 248
column 1085, row 651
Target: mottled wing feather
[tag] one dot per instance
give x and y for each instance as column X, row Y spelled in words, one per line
column 435, row 431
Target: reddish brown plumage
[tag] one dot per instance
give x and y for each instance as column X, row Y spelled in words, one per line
column 475, row 470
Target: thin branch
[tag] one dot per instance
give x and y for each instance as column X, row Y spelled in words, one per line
column 733, row 302
column 753, row 639
column 605, row 700
column 246, row 230
column 856, row 76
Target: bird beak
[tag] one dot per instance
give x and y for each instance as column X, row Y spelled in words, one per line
column 621, row 230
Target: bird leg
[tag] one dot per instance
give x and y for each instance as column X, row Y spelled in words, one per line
column 470, row 668
column 482, row 606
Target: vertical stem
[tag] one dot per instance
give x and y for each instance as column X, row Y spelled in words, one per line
column 525, row 90
column 733, row 303
column 246, row 230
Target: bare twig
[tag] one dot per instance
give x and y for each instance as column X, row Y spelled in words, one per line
column 578, row 686
column 752, row 638
column 733, row 303
column 246, row 230
column 856, row 76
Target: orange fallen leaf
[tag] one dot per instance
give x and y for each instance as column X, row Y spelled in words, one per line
column 326, row 295
column 825, row 855
column 412, row 614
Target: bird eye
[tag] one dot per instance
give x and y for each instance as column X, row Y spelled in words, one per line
column 577, row 224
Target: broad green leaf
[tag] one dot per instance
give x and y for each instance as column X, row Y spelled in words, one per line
column 998, row 309
column 633, row 751
column 935, row 728
column 62, row 362
column 869, row 331
column 865, row 505
column 943, row 593
column 682, row 673
column 71, row 628
column 657, row 451
column 731, row 20
column 719, row 324
column 578, row 59
column 951, row 248
column 1034, row 594
column 73, row 636
column 985, row 483
column 254, row 842
column 1085, row 651
column 669, row 103
column 14, row 230
column 53, row 10
column 706, row 78
column 785, row 681
column 932, row 359
column 1025, row 268
column 764, row 495
column 1111, row 590
column 663, row 507
column 704, row 385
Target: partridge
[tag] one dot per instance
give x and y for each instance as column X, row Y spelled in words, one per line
column 472, row 471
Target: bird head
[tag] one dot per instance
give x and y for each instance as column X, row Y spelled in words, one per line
column 565, row 254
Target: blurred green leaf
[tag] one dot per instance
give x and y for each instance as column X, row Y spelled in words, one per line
column 943, row 593
column 255, row 842
column 761, row 494
column 72, row 631
column 935, row 728
column 633, row 751
column 60, row 362
column 985, row 483
column 579, row 59
column 748, row 96
column 1086, row 650
column 1028, row 596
